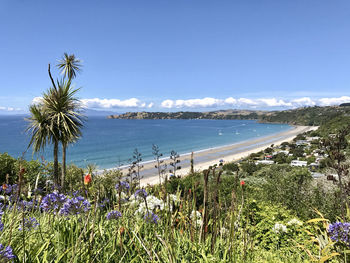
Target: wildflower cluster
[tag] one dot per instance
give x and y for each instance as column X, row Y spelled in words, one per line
column 153, row 203
column 59, row 203
column 6, row 253
column 75, row 206
column 340, row 232
column 279, row 228
column 28, row 205
column 141, row 193
column 122, row 186
column 8, row 189
column 1, row 224
column 113, row 215
column 103, row 203
column 151, row 217
column 196, row 218
column 294, row 222
column 53, row 202
column 28, row 224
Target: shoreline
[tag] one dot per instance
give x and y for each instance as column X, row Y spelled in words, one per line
column 208, row 157
column 123, row 167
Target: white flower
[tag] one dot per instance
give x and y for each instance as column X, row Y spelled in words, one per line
column 152, row 204
column 294, row 222
column 224, row 232
column 279, row 228
column 196, row 215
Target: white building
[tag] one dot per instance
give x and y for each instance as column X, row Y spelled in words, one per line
column 264, row 162
column 298, row 163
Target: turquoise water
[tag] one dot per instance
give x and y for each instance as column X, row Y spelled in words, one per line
column 109, row 143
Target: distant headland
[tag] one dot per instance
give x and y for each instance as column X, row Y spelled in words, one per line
column 310, row 116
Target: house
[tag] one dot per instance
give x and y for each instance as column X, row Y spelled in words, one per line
column 314, row 166
column 317, row 175
column 298, row 163
column 302, row 143
column 264, row 162
column 277, row 152
column 310, row 139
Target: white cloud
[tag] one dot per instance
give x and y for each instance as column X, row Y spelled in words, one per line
column 244, row 101
column 230, row 101
column 305, row 101
column 252, row 103
column 333, row 101
column 192, row 103
column 9, row 109
column 167, row 104
column 207, row 102
column 113, row 103
column 274, row 103
column 37, row 100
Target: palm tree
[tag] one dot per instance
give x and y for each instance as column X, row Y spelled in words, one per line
column 39, row 127
column 64, row 112
column 69, row 66
column 42, row 133
column 58, row 118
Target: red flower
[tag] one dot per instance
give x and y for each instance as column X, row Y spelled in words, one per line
column 242, row 183
column 4, row 186
column 87, row 179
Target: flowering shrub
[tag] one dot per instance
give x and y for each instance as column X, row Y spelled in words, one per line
column 279, row 228
column 6, row 253
column 75, row 206
column 87, row 179
column 196, row 218
column 123, row 186
column 141, row 193
column 113, row 215
column 28, row 224
column 340, row 232
column 53, row 202
column 151, row 217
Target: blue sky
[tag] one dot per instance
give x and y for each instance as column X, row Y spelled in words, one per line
column 179, row 55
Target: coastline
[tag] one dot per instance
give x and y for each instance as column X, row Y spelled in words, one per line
column 229, row 153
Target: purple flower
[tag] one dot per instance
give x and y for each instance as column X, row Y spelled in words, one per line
column 27, row 205
column 340, row 232
column 141, row 193
column 151, row 218
column 75, row 206
column 1, row 226
column 123, row 186
column 113, row 215
column 104, row 202
column 6, row 253
column 53, row 202
column 8, row 189
column 28, row 224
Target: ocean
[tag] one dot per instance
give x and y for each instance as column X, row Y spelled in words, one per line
column 110, row 142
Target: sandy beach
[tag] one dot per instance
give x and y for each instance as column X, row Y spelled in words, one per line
column 205, row 158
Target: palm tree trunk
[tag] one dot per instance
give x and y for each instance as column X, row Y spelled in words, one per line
column 55, row 162
column 64, row 148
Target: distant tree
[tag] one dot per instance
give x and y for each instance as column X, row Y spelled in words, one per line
column 160, row 165
column 174, row 157
column 137, row 159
